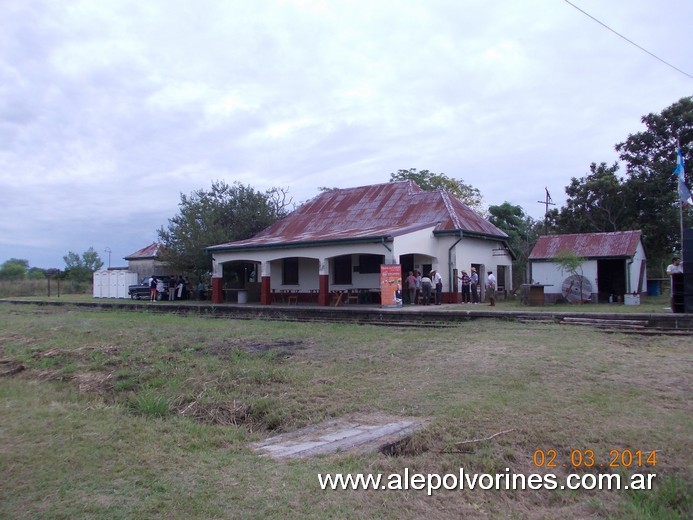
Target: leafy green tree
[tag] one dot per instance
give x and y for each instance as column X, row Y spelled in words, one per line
column 569, row 261
column 81, row 268
column 646, row 198
column 597, row 202
column 650, row 157
column 433, row 181
column 14, row 269
column 36, row 273
column 225, row 213
column 522, row 231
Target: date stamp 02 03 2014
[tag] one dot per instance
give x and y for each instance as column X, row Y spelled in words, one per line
column 586, row 458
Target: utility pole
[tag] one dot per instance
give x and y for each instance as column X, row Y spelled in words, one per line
column 548, row 201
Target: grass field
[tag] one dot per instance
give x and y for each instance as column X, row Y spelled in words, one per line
column 139, row 415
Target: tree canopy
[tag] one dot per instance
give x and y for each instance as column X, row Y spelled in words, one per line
column 522, row 231
column 597, row 202
column 14, row 269
column 427, row 180
column 646, row 198
column 81, row 268
column 650, row 157
column 224, row 213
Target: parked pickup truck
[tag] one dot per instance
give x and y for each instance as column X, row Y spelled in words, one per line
column 141, row 290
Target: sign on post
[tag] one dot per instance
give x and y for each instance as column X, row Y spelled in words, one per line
column 391, row 285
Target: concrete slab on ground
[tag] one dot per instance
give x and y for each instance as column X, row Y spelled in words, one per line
column 357, row 432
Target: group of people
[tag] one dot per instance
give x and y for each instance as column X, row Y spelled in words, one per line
column 470, row 287
column 419, row 285
column 176, row 289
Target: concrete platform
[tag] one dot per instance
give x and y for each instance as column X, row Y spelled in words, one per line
column 371, row 432
column 410, row 315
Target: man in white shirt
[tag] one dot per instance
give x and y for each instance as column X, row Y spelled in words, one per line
column 438, row 282
column 491, row 288
column 475, row 286
column 674, row 267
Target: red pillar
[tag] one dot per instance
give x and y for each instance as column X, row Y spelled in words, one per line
column 265, row 291
column 324, row 294
column 217, row 290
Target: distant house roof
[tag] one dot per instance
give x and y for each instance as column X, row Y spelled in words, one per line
column 379, row 211
column 149, row 252
column 618, row 244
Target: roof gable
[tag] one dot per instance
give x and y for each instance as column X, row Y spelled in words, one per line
column 588, row 245
column 370, row 212
column 151, row 251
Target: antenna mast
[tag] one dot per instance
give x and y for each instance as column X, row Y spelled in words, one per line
column 548, row 201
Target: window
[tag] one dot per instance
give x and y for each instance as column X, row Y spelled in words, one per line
column 342, row 270
column 369, row 264
column 290, row 271
column 426, row 269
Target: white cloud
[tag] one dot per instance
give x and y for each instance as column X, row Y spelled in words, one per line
column 110, row 110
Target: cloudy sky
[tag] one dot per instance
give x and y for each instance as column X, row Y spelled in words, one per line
column 110, row 109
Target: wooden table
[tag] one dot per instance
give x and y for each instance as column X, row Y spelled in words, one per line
column 535, row 294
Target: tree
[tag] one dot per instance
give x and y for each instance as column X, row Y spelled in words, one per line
column 646, row 198
column 225, row 213
column 81, row 268
column 36, row 273
column 14, row 269
column 434, row 181
column 522, row 231
column 597, row 202
column 279, row 201
column 651, row 186
column 569, row 261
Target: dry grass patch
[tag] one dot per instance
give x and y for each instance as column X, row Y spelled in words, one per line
column 152, row 415
column 226, row 414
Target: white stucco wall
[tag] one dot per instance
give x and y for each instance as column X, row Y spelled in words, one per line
column 636, row 272
column 425, row 247
column 418, row 242
column 489, row 255
column 550, row 273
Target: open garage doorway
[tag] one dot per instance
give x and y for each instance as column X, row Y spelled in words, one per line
column 611, row 279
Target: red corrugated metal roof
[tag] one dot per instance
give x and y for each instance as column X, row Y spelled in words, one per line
column 380, row 210
column 588, row 245
column 151, row 251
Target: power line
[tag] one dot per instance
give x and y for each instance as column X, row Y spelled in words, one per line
column 629, row 41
